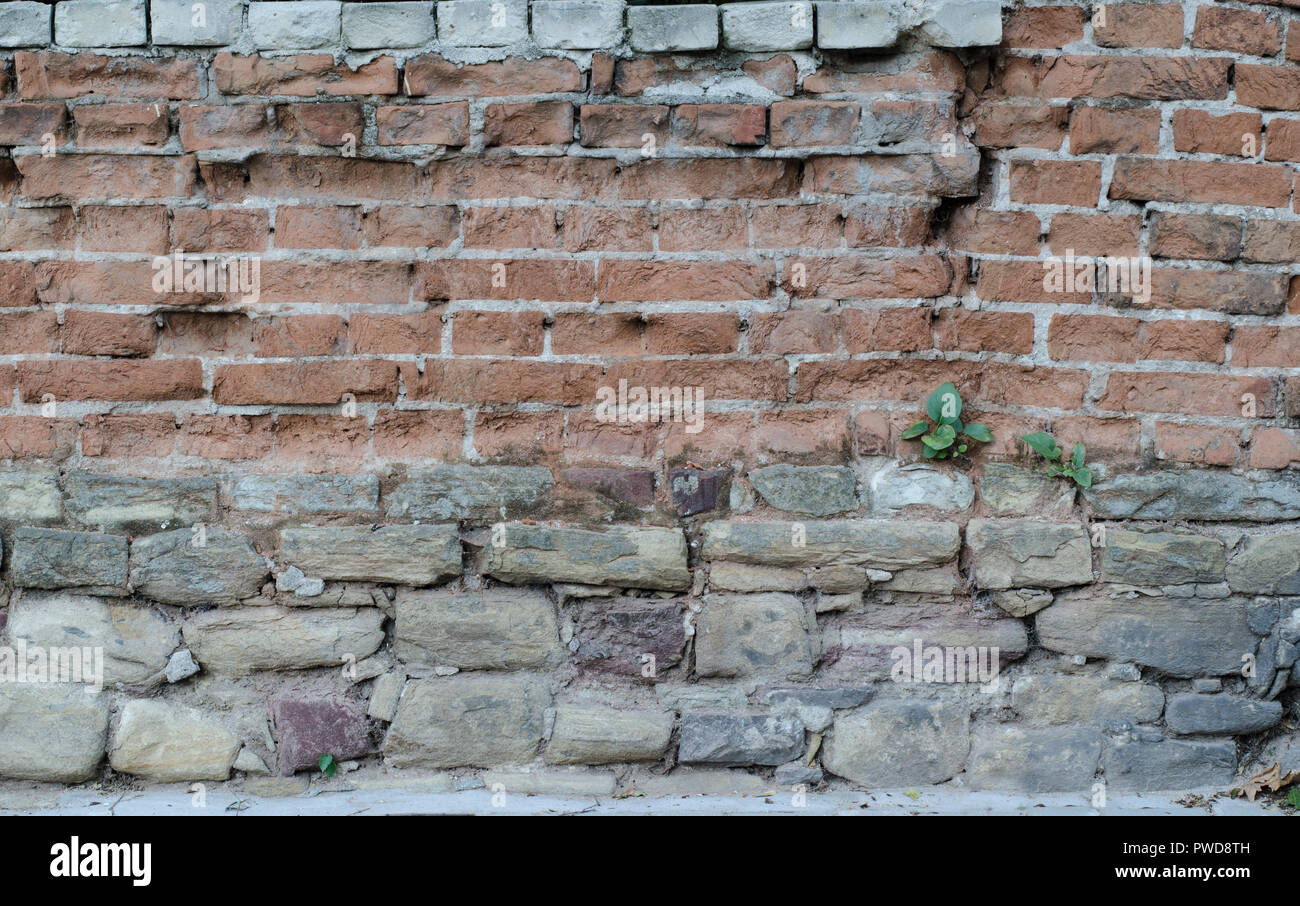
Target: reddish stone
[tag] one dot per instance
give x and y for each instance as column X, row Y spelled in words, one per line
column 307, row 728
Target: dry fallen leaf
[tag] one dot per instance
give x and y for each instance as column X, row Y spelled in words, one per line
column 1271, row 779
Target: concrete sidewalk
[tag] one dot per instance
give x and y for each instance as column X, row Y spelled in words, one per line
column 222, row 801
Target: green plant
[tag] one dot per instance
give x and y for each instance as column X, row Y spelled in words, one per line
column 1045, row 445
column 1293, row 797
column 947, row 436
column 328, row 766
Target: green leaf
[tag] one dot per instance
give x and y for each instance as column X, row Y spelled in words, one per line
column 329, row 767
column 1083, row 476
column 1076, row 459
column 961, row 448
column 916, row 430
column 935, row 442
column 944, row 397
column 1293, row 797
column 929, row 453
column 979, row 432
column 1043, row 443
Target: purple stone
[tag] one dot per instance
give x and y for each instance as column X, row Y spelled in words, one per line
column 307, row 728
column 631, row 486
column 694, row 490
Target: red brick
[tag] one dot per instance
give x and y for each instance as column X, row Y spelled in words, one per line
column 28, row 229
column 1188, row 394
column 227, row 436
column 27, row 332
column 322, row 125
column 1238, row 30
column 423, row 226
column 792, row 226
column 1187, row 341
column 305, row 75
column 984, row 331
column 304, row 383
column 347, row 282
column 125, row 228
column 522, row 437
column 510, row 227
column 887, row 330
column 419, row 434
column 1021, row 281
column 332, row 178
column 718, row 378
column 1236, row 292
column 1021, row 126
column 532, row 123
column 1042, row 27
column 795, row 332
column 73, row 75
column 623, row 126
column 995, row 232
column 396, row 334
column 512, row 333
column 87, row 176
column 1093, row 338
column 234, row 126
column 1274, row 448
column 128, row 435
column 1267, row 87
column 875, row 226
column 33, row 437
column 1283, row 142
column 527, row 279
column 588, row 229
column 321, row 441
column 72, row 379
column 28, row 124
column 681, row 281
column 1108, row 130
column 1213, row 237
column 220, row 229
column 720, row 125
column 1094, row 234
column 916, row 276
column 1197, row 444
column 503, row 381
column 707, row 179
column 1139, row 25
column 299, row 335
column 1076, row 183
column 811, row 123
column 1208, row 182
column 589, row 179
column 689, row 334
column 1272, row 241
column 101, row 333
column 1149, row 78
column 435, row 76
column 711, row 228
column 121, row 125
column 936, row 71
column 1266, row 346
column 803, row 436
column 612, row 335
column 1238, row 134
column 318, row 227
column 423, row 124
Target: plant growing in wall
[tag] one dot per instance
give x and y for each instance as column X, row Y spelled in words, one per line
column 1073, row 468
column 944, row 435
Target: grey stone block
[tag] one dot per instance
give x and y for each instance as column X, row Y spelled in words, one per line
column 218, row 567
column 173, row 22
column 1034, row 759
column 625, row 556
column 739, row 739
column 246, row 639
column 1161, row 558
column 379, row 25
column 1267, row 565
column 397, row 554
column 845, row 25
column 894, row 488
column 1196, row 494
column 108, row 501
column 461, row 491
column 659, row 29
column 1009, row 490
column 25, row 24
column 963, row 23
column 1181, row 637
column 877, row 544
column 814, row 490
column 899, row 743
column 307, row 494
column 482, row 23
column 168, row 743
column 497, row 628
column 578, row 24
column 1011, row 553
column 52, row 731
column 754, row 634
column 1073, row 699
column 86, row 561
column 29, row 497
column 1143, row 765
column 468, row 720
column 99, row 23
column 294, row 25
column 767, row 26
column 1222, row 714
column 599, row 734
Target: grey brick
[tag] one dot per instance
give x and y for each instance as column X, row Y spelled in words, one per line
column 767, row 26
column 374, row 25
column 578, row 24
column 307, row 493
column 474, row 23
column 301, row 24
column 99, row 23
column 851, row 26
column 173, row 22
column 24, row 24
column 48, row 558
column 109, row 501
column 656, row 29
column 400, row 554
column 963, row 23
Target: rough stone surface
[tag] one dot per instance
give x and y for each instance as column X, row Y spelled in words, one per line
column 294, row 25
column 468, row 719
column 397, row 554
column 1221, row 714
column 136, row 641
column 1184, row 638
column 899, row 743
column 1196, row 494
column 756, row 634
column 403, row 24
column 694, row 490
column 1161, row 558
column 879, row 544
column 625, row 556
column 166, row 743
column 104, row 501
column 894, row 488
column 633, row 637
column 307, row 494
column 1009, row 553
column 51, row 731
column 172, row 22
column 599, row 734
column 767, row 26
column 739, row 739
column 498, row 628
column 219, row 567
column 84, row 561
column 963, row 23
column 25, row 24
column 467, row 492
column 846, row 25
column 99, row 23
column 1022, row 602
column 1010, row 490
column 656, row 29
column 814, row 490
column 482, row 23
column 1169, row 764
column 29, row 497
column 1034, row 759
column 1267, row 565
column 244, row 640
column 577, row 24
column 180, row 666
column 1067, row 699
column 307, row 728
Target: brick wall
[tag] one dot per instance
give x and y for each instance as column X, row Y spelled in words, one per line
column 382, row 500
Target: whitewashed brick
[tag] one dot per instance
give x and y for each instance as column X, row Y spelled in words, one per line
column 99, row 23
column 373, row 25
column 656, row 29
column 209, row 23
column 578, row 24
column 299, row 25
column 24, row 24
column 482, row 23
